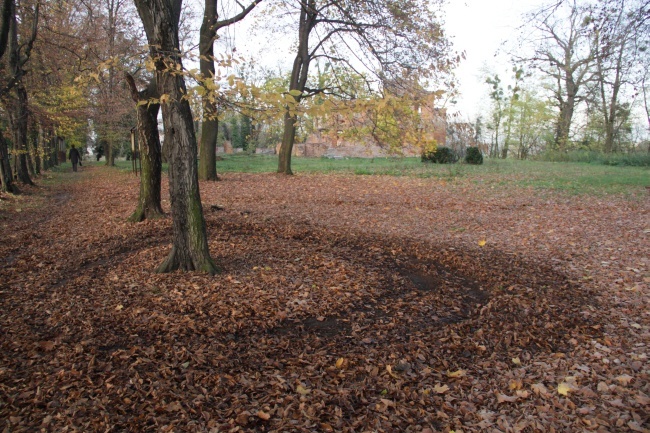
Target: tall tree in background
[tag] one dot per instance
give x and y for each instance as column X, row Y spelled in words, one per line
column 210, row 124
column 117, row 43
column 388, row 36
column 497, row 113
column 59, row 102
column 510, row 109
column 190, row 245
column 14, row 95
column 621, row 43
column 563, row 51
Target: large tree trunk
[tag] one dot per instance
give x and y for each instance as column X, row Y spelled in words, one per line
column 190, row 245
column 563, row 125
column 150, row 177
column 18, row 120
column 109, row 152
column 210, row 123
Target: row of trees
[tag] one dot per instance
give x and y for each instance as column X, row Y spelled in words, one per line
column 77, row 69
column 588, row 67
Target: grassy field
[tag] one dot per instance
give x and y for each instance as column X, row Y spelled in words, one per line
column 573, row 178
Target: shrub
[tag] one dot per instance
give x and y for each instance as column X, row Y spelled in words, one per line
column 442, row 155
column 474, row 156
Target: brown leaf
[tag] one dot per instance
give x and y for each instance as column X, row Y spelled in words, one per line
column 502, row 398
column 263, row 415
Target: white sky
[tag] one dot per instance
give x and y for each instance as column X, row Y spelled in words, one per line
column 479, row 27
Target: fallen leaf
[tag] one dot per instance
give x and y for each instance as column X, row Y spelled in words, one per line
column 243, row 418
column 302, row 390
column 624, row 379
column 603, row 387
column 564, row 388
column 326, row 427
column 263, row 415
column 635, row 426
column 522, row 393
column 440, row 389
column 482, row 242
column 539, row 389
column 389, row 369
column 456, row 374
column 502, row 398
column 642, row 399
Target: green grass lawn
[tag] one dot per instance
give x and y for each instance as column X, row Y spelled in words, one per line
column 574, row 178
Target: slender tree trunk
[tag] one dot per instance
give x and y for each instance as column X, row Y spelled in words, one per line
column 38, row 149
column 53, row 155
column 288, row 138
column 31, row 153
column 210, row 123
column 299, row 75
column 44, row 148
column 6, row 178
column 150, row 177
column 190, row 245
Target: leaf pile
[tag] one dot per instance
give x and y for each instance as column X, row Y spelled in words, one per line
column 346, row 304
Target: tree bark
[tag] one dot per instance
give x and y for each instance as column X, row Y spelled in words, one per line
column 190, row 246
column 18, row 120
column 210, row 123
column 6, row 178
column 149, row 206
column 38, row 149
column 108, row 152
column 288, row 139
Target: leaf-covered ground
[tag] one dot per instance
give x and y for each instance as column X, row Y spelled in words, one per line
column 346, row 304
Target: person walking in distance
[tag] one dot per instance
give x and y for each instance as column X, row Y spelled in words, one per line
column 75, row 157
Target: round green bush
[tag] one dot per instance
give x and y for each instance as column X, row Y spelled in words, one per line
column 442, row 155
column 474, row 156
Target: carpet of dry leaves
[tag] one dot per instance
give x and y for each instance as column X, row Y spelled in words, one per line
column 346, row 304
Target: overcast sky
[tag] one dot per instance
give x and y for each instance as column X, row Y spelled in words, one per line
column 479, row 27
